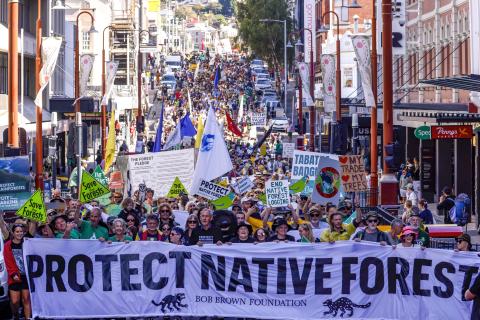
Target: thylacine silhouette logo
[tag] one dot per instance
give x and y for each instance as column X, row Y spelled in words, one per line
column 171, row 302
column 343, row 305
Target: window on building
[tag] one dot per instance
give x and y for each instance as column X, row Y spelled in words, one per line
column 3, row 72
column 348, row 77
column 85, row 41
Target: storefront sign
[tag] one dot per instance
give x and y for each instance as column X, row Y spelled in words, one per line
column 265, row 281
column 423, row 133
column 452, row 132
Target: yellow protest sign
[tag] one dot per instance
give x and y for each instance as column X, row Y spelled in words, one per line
column 90, row 188
column 34, row 208
column 176, row 188
column 263, row 150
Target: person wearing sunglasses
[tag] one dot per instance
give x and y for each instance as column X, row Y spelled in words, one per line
column 17, row 279
column 415, row 222
column 315, row 217
column 176, row 236
column 165, row 214
column 464, row 243
column 371, row 232
column 190, row 225
column 260, row 235
column 166, row 229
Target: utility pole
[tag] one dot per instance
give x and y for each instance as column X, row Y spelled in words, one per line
column 13, row 73
column 388, row 182
column 38, row 110
column 373, row 116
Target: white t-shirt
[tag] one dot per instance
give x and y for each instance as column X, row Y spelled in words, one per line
column 412, row 196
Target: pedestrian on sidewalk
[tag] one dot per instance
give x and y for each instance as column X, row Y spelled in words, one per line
column 447, row 202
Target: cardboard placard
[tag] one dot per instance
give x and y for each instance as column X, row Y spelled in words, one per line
column 353, row 173
column 288, row 149
column 34, row 208
column 211, row 191
column 176, row 188
column 100, row 176
column 258, row 119
column 277, row 193
column 327, row 182
column 90, row 188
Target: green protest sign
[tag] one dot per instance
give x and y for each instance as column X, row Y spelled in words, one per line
column 100, row 176
column 90, row 188
column 423, row 133
column 34, row 208
column 176, row 188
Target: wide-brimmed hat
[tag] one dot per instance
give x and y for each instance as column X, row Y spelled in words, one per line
column 407, row 231
column 279, row 222
column 58, row 216
column 244, row 224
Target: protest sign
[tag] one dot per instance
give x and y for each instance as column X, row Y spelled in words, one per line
column 242, row 185
column 353, row 173
column 15, row 182
column 34, row 208
column 157, row 170
column 305, row 163
column 223, row 202
column 327, row 182
column 176, row 188
column 258, row 119
column 211, row 191
column 277, row 193
column 265, row 281
column 90, row 188
column 100, row 176
column 288, row 149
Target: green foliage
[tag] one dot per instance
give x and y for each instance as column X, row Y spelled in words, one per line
column 265, row 39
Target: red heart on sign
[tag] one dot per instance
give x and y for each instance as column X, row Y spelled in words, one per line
column 345, row 178
column 343, row 160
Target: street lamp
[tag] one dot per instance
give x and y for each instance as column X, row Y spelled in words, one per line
column 77, row 58
column 284, row 57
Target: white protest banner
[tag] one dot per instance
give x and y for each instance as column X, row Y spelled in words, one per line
column 287, row 149
column 210, row 190
column 353, row 173
column 305, row 163
column 327, row 182
column 157, row 170
column 242, row 185
column 277, row 193
column 258, row 119
column 50, row 50
column 265, row 281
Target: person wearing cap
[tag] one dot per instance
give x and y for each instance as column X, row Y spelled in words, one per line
column 422, row 237
column 243, row 234
column 371, row 232
column 338, row 230
column 445, row 203
column 464, row 243
column 315, row 217
column 407, row 238
column 473, row 293
column 280, row 227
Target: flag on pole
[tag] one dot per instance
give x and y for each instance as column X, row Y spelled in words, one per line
column 189, row 101
column 232, row 127
column 157, row 146
column 186, row 127
column 173, row 139
column 50, row 49
column 240, row 109
column 86, row 65
column 215, row 81
column 200, row 127
column 110, row 147
column 213, row 157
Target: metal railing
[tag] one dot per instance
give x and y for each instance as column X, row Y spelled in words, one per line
column 449, row 244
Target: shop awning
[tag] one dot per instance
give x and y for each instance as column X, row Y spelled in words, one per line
column 468, row 82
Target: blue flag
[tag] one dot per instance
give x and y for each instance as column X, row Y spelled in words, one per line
column 215, row 81
column 157, row 147
column 186, row 126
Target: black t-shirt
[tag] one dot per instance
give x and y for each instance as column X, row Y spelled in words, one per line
column 17, row 250
column 209, row 236
column 275, row 238
column 237, row 240
column 475, row 289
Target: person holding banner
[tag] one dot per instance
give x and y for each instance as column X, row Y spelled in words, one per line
column 94, row 228
column 120, row 232
column 371, row 232
column 63, row 229
column 244, row 234
column 17, row 279
column 206, row 233
column 338, row 230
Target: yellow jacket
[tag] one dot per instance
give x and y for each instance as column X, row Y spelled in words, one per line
column 347, row 230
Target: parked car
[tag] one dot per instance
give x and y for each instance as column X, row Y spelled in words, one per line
column 280, row 124
column 256, row 63
column 169, row 81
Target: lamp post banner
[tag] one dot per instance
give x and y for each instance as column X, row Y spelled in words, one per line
column 304, row 74
column 270, row 280
column 361, row 45
column 329, row 83
column 86, row 65
column 112, row 67
column 309, row 21
column 50, row 50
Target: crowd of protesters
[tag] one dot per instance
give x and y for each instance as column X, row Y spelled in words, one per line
column 151, row 217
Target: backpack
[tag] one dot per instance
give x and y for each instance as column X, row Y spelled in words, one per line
column 460, row 212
